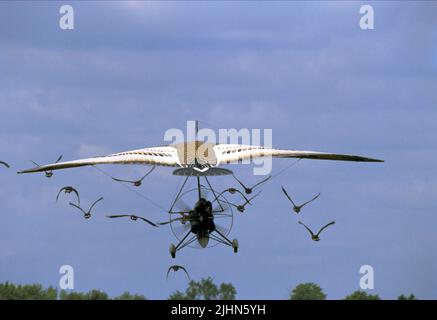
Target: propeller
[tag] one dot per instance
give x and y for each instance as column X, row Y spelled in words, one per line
column 182, row 206
column 204, row 192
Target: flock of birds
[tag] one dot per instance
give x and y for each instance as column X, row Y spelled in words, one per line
column 298, row 208
column 137, row 183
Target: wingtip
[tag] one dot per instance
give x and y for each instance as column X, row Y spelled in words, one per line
column 32, row 170
column 24, row 171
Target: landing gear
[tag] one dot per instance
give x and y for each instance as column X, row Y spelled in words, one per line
column 182, row 244
column 173, row 251
column 235, row 245
column 203, row 220
column 221, row 238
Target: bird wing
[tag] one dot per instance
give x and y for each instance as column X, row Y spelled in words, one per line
column 262, row 181
column 168, row 271
column 289, row 198
column 5, row 164
column 304, row 204
column 77, row 194
column 166, row 222
column 241, row 183
column 186, row 272
column 160, row 156
column 57, row 196
column 256, row 195
column 121, row 180
column 38, row 166
column 229, row 153
column 148, row 221
column 329, row 224
column 242, row 194
column 170, row 221
column 76, row 206
column 309, row 230
column 118, row 216
column 95, row 202
column 72, row 189
column 148, row 172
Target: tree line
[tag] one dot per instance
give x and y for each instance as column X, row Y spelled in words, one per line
column 205, row 289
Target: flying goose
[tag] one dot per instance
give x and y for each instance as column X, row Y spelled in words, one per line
column 297, row 208
column 132, row 217
column 315, row 237
column 86, row 214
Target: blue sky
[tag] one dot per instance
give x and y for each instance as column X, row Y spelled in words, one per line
column 130, row 71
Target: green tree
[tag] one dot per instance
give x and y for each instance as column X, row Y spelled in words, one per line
column 205, row 289
column 307, row 291
column 361, row 295
column 127, row 296
column 9, row 291
column 227, row 292
column 90, row 295
column 97, row 295
column 410, row 297
column 65, row 295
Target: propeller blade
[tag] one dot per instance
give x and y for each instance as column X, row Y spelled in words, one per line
column 182, row 206
column 221, row 207
column 180, row 230
column 221, row 229
column 204, row 192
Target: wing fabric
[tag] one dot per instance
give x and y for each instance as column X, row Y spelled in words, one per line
column 160, row 156
column 227, row 153
column 224, row 154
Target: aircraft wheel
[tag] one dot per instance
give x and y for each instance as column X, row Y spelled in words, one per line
column 173, row 251
column 235, row 245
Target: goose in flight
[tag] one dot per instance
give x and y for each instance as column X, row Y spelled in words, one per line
column 67, row 190
column 5, row 164
column 176, row 268
column 47, row 172
column 132, row 217
column 242, row 207
column 198, row 155
column 297, row 208
column 315, row 237
column 231, row 191
column 249, row 190
column 136, row 183
column 86, row 214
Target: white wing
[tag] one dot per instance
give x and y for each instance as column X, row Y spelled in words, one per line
column 229, row 153
column 159, row 156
